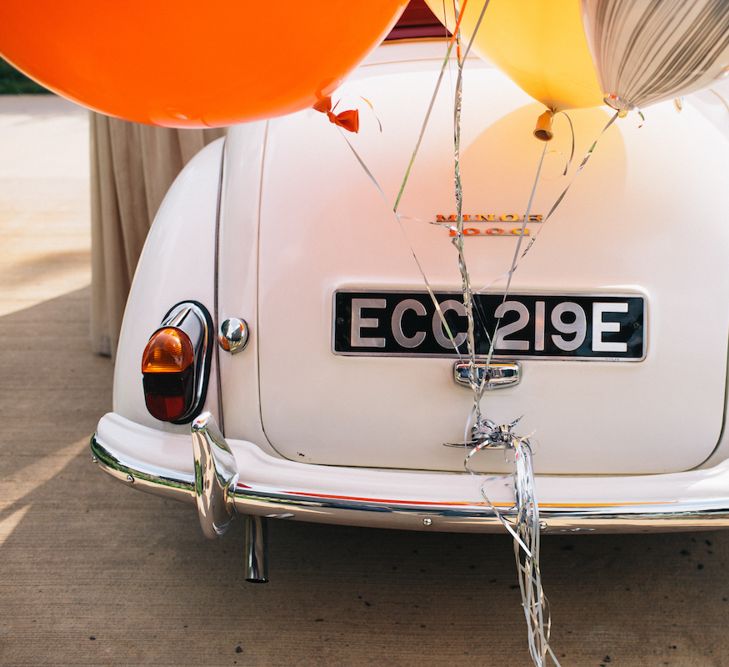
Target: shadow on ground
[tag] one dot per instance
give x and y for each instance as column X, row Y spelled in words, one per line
column 95, row 573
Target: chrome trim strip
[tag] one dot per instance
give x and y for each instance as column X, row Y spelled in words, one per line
column 409, row 515
column 216, row 279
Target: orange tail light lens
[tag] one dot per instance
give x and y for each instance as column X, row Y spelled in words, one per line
column 168, row 369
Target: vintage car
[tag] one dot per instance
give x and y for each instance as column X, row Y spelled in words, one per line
column 281, row 358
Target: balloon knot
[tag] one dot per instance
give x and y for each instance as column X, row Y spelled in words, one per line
column 543, row 129
column 349, row 119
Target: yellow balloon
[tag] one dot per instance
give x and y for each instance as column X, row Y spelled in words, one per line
column 540, row 44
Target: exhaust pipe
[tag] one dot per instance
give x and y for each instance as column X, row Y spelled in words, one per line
column 255, row 548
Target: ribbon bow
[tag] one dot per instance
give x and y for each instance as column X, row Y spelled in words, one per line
column 488, row 434
column 349, row 119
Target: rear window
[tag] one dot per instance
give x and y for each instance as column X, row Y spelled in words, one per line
column 417, row 21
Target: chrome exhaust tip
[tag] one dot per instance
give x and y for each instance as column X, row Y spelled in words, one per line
column 256, row 549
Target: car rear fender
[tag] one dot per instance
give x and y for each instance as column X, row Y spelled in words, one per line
column 176, row 264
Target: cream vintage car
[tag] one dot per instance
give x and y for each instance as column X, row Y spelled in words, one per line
column 280, row 357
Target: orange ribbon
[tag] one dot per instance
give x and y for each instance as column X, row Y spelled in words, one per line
column 349, row 119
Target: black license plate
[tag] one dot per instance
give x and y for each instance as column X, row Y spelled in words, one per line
column 542, row 326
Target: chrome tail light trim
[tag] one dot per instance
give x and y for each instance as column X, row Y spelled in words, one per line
column 194, row 319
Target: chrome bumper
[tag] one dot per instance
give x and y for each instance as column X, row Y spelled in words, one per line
column 218, row 494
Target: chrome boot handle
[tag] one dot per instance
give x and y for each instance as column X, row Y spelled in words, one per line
column 496, row 375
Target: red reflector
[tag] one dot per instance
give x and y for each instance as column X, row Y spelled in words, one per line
column 168, row 371
column 166, row 408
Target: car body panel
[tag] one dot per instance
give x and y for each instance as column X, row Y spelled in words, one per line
column 177, row 264
column 267, row 226
column 628, row 226
column 238, row 278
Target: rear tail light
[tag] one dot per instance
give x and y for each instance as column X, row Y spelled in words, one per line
column 175, row 364
column 169, row 374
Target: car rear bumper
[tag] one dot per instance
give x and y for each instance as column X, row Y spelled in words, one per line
column 162, row 463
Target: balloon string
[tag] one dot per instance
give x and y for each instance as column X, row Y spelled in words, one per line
column 534, row 601
column 515, row 257
column 526, row 532
column 428, row 112
column 525, row 529
column 564, row 192
column 413, row 254
column 554, row 206
column 458, row 240
column 568, row 164
column 372, row 109
column 416, row 150
column 473, row 36
column 721, row 98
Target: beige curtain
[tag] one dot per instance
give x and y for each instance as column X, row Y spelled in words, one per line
column 132, row 166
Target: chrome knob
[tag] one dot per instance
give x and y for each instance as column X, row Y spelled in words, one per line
column 233, row 335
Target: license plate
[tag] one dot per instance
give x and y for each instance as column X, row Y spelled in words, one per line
column 571, row 326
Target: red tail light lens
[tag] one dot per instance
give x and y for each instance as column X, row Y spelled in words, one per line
column 168, row 369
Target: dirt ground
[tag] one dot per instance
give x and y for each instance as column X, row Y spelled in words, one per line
column 93, row 573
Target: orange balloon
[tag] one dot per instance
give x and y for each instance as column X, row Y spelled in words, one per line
column 192, row 64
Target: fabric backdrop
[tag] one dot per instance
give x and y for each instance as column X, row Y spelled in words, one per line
column 132, row 166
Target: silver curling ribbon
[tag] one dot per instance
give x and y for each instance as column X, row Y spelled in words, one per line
column 485, row 433
column 522, row 522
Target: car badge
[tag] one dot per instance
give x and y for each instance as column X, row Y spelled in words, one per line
column 489, row 224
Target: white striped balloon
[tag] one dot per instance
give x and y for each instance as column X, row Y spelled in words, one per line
column 646, row 51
